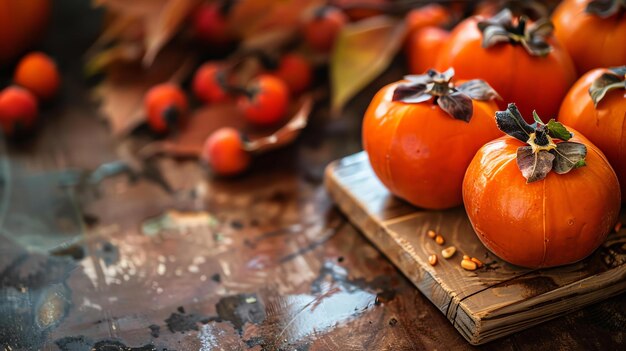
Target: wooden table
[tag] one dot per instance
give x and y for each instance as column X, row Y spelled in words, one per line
column 172, row 259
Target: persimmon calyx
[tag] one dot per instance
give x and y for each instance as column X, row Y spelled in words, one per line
column 614, row 78
column 605, row 8
column 454, row 100
column 502, row 29
column 542, row 153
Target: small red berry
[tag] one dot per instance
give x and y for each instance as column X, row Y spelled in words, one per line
column 210, row 25
column 266, row 103
column 206, row 86
column 38, row 73
column 18, row 110
column 322, row 30
column 223, row 151
column 295, row 71
column 166, row 106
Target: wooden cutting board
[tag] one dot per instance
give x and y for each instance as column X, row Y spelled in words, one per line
column 491, row 302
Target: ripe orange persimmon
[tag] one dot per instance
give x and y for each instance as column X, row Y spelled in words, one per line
column 542, row 222
column 604, row 124
column 206, row 85
column 321, row 31
column 18, row 110
column 223, row 151
column 423, row 46
column 419, row 149
column 165, row 106
column 427, row 16
column 593, row 38
column 523, row 65
column 38, row 73
column 21, row 23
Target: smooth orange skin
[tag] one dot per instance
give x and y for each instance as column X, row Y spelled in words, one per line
column 295, row 71
column 223, row 151
column 321, row 31
column 205, row 85
column 17, row 105
column 532, row 83
column 551, row 222
column 604, row 126
column 158, row 99
column 591, row 41
column 427, row 16
column 21, row 23
column 269, row 103
column 419, row 152
column 423, row 48
column 38, row 73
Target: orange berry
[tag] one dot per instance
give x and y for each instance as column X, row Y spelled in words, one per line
column 205, row 84
column 322, row 30
column 266, row 103
column 18, row 110
column 166, row 106
column 295, row 71
column 210, row 25
column 223, row 151
column 38, row 73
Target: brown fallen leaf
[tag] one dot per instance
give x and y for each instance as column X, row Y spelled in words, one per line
column 121, row 93
column 161, row 20
column 363, row 51
column 189, row 141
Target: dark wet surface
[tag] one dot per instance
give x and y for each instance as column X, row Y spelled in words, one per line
column 94, row 259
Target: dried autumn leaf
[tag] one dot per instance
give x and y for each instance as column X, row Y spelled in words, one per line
column 287, row 134
column 250, row 18
column 363, row 51
column 161, row 19
column 121, row 93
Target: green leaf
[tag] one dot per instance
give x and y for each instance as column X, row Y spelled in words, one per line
column 536, row 117
column 512, row 123
column 569, row 155
column 558, row 130
column 534, row 165
column 363, row 51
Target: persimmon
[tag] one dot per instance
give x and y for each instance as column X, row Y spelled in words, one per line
column 422, row 48
column 320, row 32
column 224, row 152
column 295, row 71
column 210, row 24
column 596, row 107
column 265, row 100
column 21, row 23
column 18, row 110
column 206, row 85
column 540, row 196
column 166, row 106
column 520, row 60
column 38, row 73
column 593, row 32
column 421, row 133
column 427, row 16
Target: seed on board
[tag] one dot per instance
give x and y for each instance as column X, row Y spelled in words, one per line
column 477, row 261
column 439, row 240
column 448, row 252
column 466, row 257
column 618, row 226
column 431, row 234
column 468, row 265
column 432, row 259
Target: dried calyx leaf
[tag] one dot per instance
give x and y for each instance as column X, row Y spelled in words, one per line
column 614, row 78
column 455, row 100
column 542, row 154
column 605, row 8
column 501, row 28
